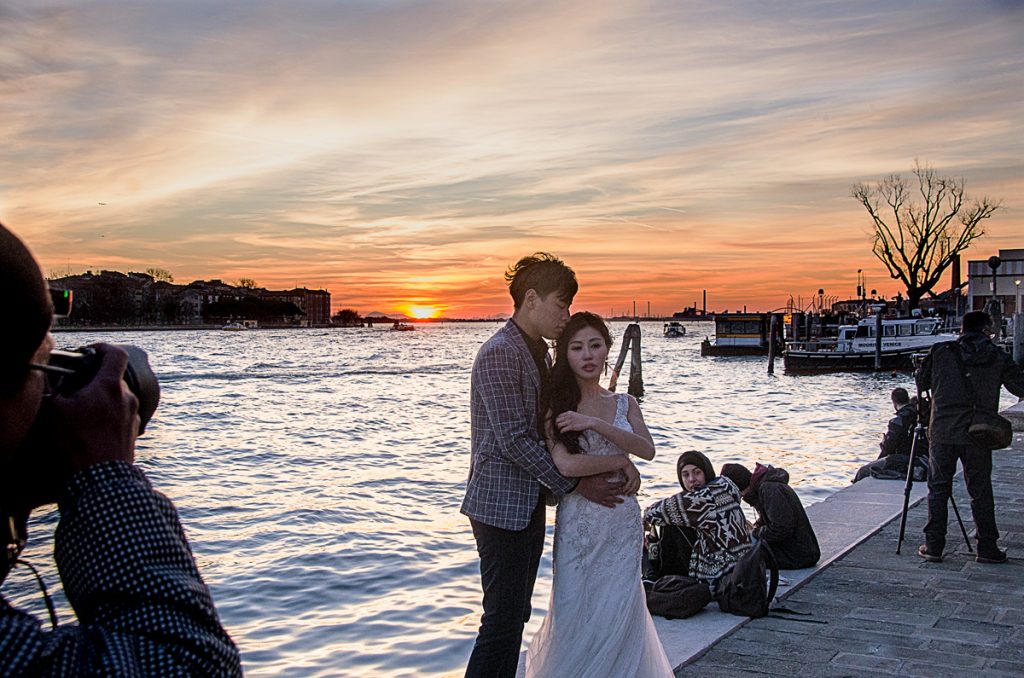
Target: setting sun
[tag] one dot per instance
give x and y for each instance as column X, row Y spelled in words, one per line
column 423, row 312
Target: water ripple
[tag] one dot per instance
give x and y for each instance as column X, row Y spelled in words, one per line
column 319, row 474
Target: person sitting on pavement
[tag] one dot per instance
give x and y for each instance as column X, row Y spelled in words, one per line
column 782, row 521
column 123, row 559
column 894, row 454
column 964, row 375
column 710, row 505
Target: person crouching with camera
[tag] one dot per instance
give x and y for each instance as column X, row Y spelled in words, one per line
column 126, row 567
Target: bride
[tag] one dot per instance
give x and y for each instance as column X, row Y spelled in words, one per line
column 597, row 622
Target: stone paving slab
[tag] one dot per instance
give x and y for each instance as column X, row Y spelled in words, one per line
column 840, row 522
column 877, row 613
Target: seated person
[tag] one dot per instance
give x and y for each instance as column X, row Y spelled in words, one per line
column 782, row 521
column 709, row 505
column 895, row 446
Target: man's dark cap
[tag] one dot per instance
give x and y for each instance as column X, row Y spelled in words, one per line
column 738, row 474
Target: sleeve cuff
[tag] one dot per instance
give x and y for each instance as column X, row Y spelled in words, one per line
column 100, row 474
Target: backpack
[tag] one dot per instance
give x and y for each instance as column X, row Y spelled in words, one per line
column 675, row 596
column 749, row 587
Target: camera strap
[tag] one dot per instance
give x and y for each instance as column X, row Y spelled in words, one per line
column 42, row 587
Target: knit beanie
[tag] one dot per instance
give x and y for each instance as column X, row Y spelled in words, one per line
column 738, row 474
column 696, row 459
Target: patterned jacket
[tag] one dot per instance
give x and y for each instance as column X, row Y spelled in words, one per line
column 509, row 463
column 127, row 570
column 714, row 512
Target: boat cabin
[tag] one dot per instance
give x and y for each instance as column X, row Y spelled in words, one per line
column 741, row 334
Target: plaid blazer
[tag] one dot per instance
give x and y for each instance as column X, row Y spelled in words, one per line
column 509, row 463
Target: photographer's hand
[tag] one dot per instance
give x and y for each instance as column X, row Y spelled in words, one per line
column 99, row 422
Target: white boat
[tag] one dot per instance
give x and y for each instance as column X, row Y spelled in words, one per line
column 674, row 329
column 234, row 327
column 854, row 348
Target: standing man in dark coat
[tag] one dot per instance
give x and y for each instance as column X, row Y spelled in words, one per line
column 512, row 477
column 782, row 520
column 963, row 375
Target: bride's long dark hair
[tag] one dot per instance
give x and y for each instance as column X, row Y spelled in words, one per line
column 561, row 392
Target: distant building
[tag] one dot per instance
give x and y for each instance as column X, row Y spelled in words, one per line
column 1005, row 284
column 110, row 298
column 315, row 304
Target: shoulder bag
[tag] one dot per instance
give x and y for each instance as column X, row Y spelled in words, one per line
column 987, row 429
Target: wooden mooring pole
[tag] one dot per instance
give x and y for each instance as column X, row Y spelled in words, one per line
column 1018, row 338
column 878, row 338
column 772, row 342
column 631, row 345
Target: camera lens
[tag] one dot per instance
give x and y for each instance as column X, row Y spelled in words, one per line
column 82, row 364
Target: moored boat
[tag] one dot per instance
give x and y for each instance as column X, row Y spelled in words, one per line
column 854, row 348
column 739, row 334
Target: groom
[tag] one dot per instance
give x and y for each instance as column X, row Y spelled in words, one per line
column 512, row 476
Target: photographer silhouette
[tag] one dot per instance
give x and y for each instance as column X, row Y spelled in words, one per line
column 964, row 377
column 126, row 566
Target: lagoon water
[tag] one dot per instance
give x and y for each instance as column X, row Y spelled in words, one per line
column 319, row 473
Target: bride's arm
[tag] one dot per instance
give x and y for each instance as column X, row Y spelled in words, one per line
column 638, row 441
column 578, row 465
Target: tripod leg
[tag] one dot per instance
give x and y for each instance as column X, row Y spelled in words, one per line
column 908, row 486
column 963, row 530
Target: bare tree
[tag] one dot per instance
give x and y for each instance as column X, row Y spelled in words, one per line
column 920, row 240
column 160, row 274
column 247, row 283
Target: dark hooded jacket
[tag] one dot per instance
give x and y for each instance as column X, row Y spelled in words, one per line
column 985, row 365
column 782, row 520
column 900, row 433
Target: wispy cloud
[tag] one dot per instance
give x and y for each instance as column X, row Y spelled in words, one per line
column 388, row 150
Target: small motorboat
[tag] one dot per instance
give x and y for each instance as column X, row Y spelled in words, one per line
column 234, row 327
column 402, row 327
column 673, row 330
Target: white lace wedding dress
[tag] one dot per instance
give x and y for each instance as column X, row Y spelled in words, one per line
column 597, row 622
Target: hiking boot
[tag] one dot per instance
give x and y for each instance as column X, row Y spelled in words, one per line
column 923, row 551
column 992, row 556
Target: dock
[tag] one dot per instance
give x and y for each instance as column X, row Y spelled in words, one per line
column 871, row 612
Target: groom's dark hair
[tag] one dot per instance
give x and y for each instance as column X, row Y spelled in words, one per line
column 544, row 273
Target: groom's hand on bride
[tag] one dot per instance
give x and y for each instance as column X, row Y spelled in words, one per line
column 605, row 489
column 632, row 480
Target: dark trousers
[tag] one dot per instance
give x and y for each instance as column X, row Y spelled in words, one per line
column 977, row 463
column 508, row 570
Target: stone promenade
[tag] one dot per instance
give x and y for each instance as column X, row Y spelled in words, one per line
column 875, row 613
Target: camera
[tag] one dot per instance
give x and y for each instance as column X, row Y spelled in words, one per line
column 66, row 372
column 71, row 370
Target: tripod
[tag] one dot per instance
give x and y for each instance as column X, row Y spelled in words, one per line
column 919, row 428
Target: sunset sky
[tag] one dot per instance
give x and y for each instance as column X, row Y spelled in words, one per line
column 402, row 153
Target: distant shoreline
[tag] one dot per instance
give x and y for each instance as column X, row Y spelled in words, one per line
column 382, row 323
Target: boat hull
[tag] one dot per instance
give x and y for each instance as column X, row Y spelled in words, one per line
column 848, row 361
column 709, row 349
